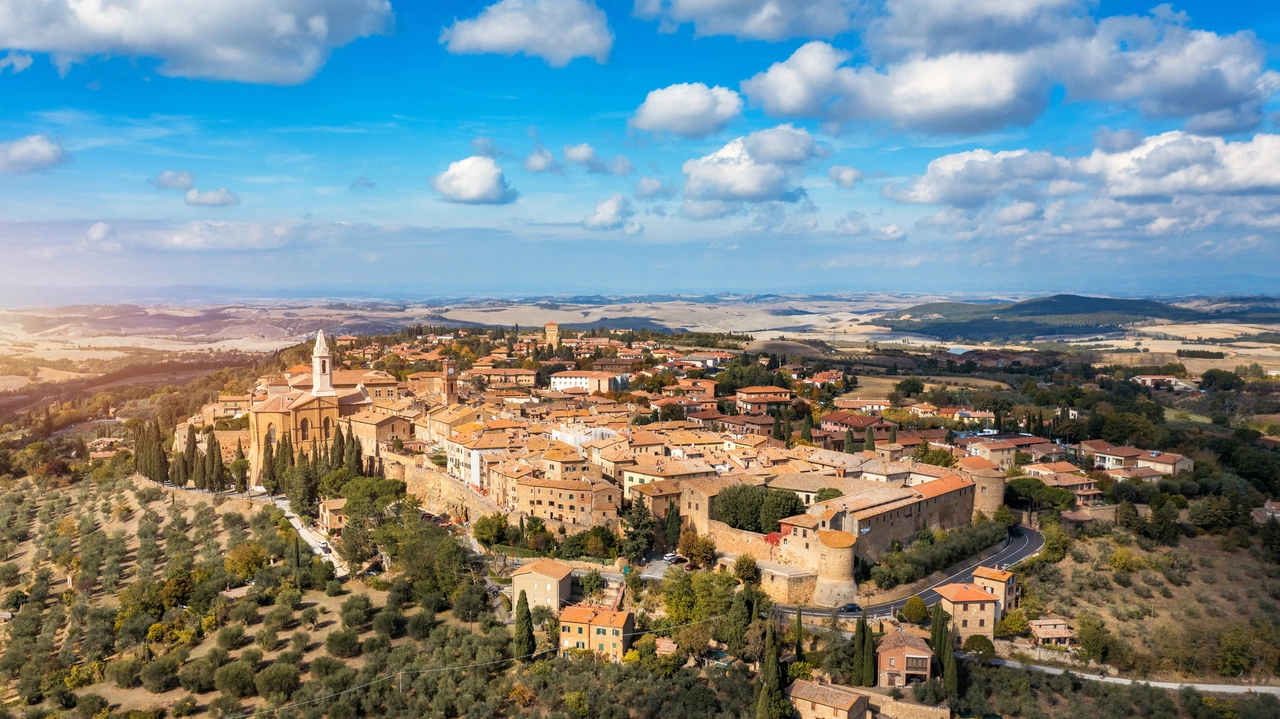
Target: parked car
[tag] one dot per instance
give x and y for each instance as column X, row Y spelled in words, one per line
column 692, row 567
column 670, row 557
column 323, row 545
column 850, row 608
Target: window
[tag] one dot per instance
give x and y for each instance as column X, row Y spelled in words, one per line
column 579, row 630
column 893, row 661
column 617, row 633
column 964, row 622
column 982, row 622
column 306, row 429
column 564, row 630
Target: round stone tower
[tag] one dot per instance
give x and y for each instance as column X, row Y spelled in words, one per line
column 835, row 561
column 988, row 491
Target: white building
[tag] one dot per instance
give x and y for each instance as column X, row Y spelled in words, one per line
column 589, row 381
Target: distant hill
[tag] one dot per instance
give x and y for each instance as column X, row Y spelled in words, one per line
column 1056, row 315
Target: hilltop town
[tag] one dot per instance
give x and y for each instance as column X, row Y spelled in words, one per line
column 654, row 505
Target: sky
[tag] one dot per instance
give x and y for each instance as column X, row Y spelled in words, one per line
column 636, row 146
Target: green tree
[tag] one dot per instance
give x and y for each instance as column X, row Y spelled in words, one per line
column 799, row 634
column 770, row 702
column 859, row 651
column 745, row 569
column 915, row 611
column 869, row 443
column 240, row 469
column 848, row 442
column 868, row 654
column 827, row 493
column 980, row 648
column 806, row 429
column 638, row 537
column 671, row 526
column 522, row 641
column 490, row 530
column 592, row 583
column 778, row 504
column 777, row 428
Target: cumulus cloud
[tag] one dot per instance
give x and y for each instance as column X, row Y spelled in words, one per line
column 541, row 160
column 854, row 223
column 555, row 30
column 1165, row 185
column 174, row 180
column 688, row 109
column 651, row 188
column 1117, row 141
column 752, row 19
column 98, row 238
column 220, row 197
column 779, row 218
column 950, row 67
column 844, row 176
column 267, row 41
column 762, row 166
column 613, row 213
column 32, row 153
column 475, row 180
column 585, row 155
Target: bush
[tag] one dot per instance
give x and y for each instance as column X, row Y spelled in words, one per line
column 197, row 676
column 186, row 706
column 266, row 638
column 389, row 621
column 980, row 647
column 344, row 643
column 124, row 673
column 235, row 679
column 277, row 680
column 333, row 588
column 231, row 636
column 355, row 611
column 158, row 674
column 278, row 618
column 421, row 624
column 90, row 705
column 914, row 611
column 8, row 573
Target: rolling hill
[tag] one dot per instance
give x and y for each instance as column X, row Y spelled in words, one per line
column 1055, row 315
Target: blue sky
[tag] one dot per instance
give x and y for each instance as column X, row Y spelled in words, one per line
column 564, row 146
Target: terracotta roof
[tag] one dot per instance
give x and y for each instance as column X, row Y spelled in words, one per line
column 547, row 568
column 836, row 539
column 763, row 390
column 801, row 520
column 964, row 593
column 825, row 694
column 939, row 487
column 998, row 575
column 893, row 640
column 976, row 464
column 595, row 616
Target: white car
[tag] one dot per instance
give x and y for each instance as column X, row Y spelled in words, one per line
column 669, row 557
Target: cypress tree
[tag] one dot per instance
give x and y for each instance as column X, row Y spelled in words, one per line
column 284, row 460
column 855, row 673
column 893, row 435
column 777, row 427
column 267, row 477
column 770, row 702
column 848, row 442
column 806, row 429
column 786, row 430
column 198, row 477
column 868, row 654
column 671, row 527
column 950, row 678
column 241, row 469
column 351, row 458
column 799, row 634
column 189, row 451
column 337, row 452
column 522, row 642
column 175, row 472
column 870, row 442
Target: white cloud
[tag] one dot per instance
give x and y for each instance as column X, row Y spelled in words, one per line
column 688, row 109
column 1164, row 186
column 541, row 160
column 613, row 213
column 98, row 238
column 775, row 218
column 763, row 166
column 960, row 67
column 961, row 92
column 752, row 19
column 889, row 233
column 220, row 197
column 32, row 153
column 854, row 223
column 650, row 188
column 585, row 155
column 174, row 180
column 555, row 30
column 267, row 41
column 474, row 180
column 968, row 179
column 15, row 61
column 844, row 176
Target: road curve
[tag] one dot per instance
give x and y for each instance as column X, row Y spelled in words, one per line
column 1023, row 542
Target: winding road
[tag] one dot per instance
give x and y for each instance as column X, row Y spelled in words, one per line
column 1023, row 542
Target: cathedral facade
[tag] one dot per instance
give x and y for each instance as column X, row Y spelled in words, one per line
column 306, row 417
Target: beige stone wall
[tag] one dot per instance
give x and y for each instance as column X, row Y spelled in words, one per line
column 988, row 494
column 737, row 541
column 788, row 589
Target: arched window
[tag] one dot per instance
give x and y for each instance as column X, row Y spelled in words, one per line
column 306, row 430
column 271, row 434
column 328, row 428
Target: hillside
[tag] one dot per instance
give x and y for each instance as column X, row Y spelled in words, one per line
column 1056, row 315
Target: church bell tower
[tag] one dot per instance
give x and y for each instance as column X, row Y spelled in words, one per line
column 322, row 369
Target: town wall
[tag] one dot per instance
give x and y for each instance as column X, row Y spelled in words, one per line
column 738, row 541
column 871, row 596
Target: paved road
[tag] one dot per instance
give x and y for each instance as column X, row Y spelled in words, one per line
column 1023, row 542
column 1212, row 688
